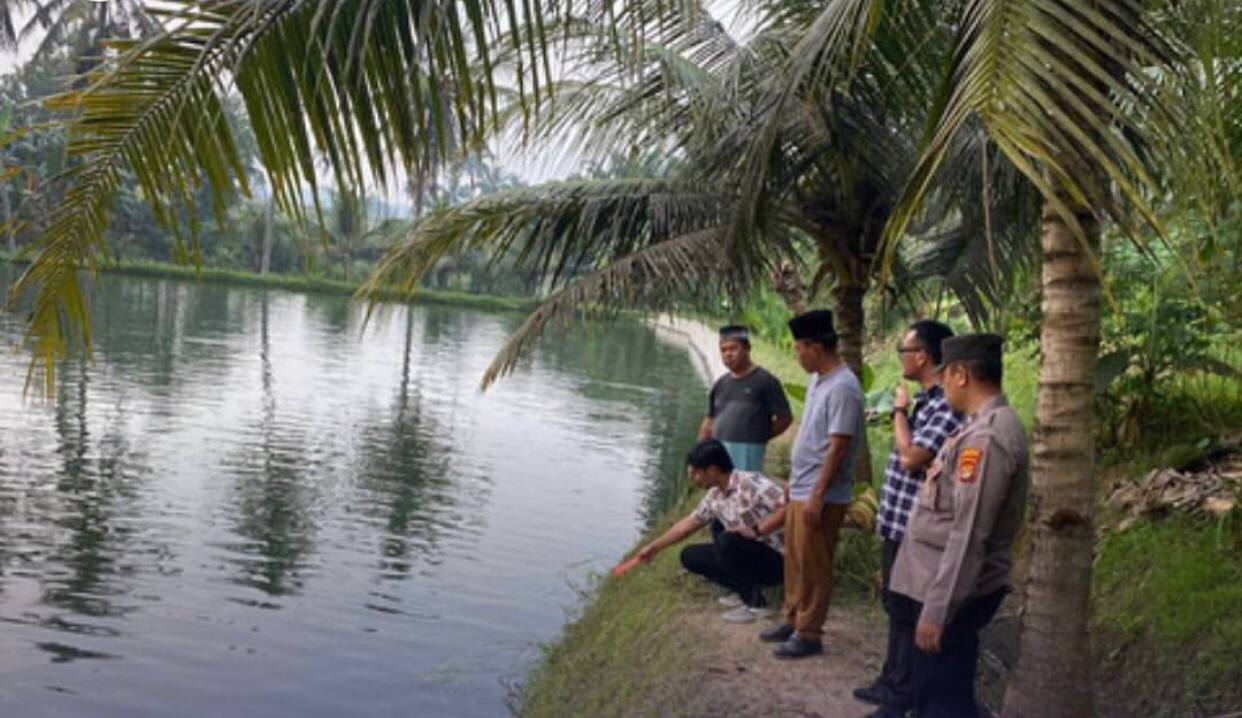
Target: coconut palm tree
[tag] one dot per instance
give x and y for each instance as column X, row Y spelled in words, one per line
column 361, row 86
column 670, row 235
column 84, row 25
column 1068, row 93
column 1065, row 91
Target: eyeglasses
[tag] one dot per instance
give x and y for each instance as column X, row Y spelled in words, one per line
column 908, row 350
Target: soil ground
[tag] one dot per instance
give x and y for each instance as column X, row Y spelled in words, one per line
column 740, row 676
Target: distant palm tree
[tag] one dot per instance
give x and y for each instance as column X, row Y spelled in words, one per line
column 82, row 25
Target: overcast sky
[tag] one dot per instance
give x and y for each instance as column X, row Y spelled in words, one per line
column 532, row 167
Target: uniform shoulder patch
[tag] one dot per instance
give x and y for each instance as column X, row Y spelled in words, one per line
column 968, row 464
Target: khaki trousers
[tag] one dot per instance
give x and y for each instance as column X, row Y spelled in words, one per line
column 808, row 567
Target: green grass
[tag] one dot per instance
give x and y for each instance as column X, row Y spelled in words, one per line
column 625, row 654
column 302, row 283
column 628, row 654
column 1166, row 601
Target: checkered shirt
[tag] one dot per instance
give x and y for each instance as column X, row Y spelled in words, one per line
column 931, row 422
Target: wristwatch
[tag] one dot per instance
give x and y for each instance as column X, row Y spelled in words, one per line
column 900, row 410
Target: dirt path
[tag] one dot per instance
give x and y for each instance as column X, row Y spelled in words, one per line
column 740, row 678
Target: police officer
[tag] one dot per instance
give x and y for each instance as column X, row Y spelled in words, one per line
column 952, row 568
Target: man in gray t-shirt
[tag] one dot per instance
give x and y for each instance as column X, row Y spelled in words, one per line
column 834, row 407
column 820, row 486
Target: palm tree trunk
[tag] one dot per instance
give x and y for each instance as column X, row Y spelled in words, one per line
column 1053, row 677
column 850, row 325
column 850, row 322
column 269, row 229
column 7, row 207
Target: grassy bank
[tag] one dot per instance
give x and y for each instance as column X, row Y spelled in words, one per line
column 1166, row 626
column 1167, row 623
column 302, row 283
column 626, row 653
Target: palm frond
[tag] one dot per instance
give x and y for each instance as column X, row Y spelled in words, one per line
column 367, row 86
column 557, row 228
column 687, row 267
column 1058, row 86
column 978, row 229
column 1204, row 170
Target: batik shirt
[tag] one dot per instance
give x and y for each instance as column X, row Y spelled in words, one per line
column 749, row 500
column 931, row 422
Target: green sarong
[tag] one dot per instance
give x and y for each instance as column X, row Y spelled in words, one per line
column 746, row 456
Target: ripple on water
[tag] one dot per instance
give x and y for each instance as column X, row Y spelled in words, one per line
column 242, row 491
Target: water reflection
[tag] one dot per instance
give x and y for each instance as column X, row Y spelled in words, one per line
column 241, row 491
column 273, row 501
column 93, row 486
column 406, row 467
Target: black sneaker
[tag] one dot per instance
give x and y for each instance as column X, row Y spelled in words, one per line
column 798, row 647
column 777, row 634
column 877, row 694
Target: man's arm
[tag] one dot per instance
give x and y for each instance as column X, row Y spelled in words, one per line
column 912, row 456
column 917, row 449
column 709, row 421
column 780, row 423
column 838, row 449
column 675, row 534
column 773, row 523
column 705, row 428
column 777, row 405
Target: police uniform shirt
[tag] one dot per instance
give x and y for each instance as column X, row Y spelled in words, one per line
column 959, row 539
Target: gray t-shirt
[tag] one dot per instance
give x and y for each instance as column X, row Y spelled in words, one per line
column 742, row 409
column 834, row 405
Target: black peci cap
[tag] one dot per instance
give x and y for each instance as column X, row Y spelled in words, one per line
column 967, row 347
column 739, row 332
column 812, row 324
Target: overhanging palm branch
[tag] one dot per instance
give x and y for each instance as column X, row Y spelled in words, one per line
column 366, row 86
column 841, row 164
column 559, row 228
column 1060, row 87
column 1204, row 172
column 662, row 275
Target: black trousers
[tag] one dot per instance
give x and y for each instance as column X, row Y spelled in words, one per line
column 895, row 675
column 737, row 563
column 943, row 684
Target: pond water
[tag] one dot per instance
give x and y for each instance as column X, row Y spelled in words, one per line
column 244, row 505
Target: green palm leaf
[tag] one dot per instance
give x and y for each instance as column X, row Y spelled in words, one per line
column 1054, row 83
column 366, row 86
column 687, row 267
column 558, row 228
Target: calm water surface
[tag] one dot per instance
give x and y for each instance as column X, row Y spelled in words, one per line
column 244, row 506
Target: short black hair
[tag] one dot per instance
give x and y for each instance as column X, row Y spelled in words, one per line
column 931, row 334
column 710, row 452
column 990, row 370
column 827, row 341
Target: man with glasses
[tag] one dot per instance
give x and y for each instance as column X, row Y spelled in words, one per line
column 919, row 430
